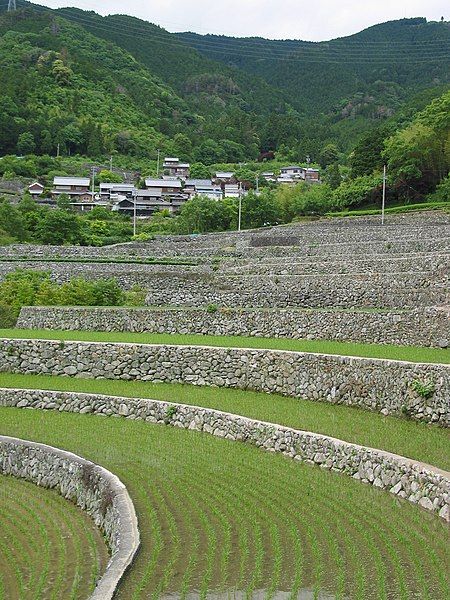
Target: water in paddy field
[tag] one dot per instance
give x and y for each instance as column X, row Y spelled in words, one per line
column 306, row 594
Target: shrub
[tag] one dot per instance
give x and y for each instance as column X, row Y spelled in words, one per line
column 8, row 316
column 425, row 389
column 212, row 308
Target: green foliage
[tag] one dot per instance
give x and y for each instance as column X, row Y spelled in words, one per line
column 26, row 143
column 425, row 389
column 25, row 287
column 212, row 308
column 106, row 176
column 201, row 214
column 357, row 191
column 442, row 193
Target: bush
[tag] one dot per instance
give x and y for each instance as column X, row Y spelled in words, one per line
column 8, row 316
column 212, row 308
column 35, row 288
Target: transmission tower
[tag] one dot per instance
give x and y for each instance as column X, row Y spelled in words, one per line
column 12, row 5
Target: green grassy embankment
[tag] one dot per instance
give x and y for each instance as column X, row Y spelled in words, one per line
column 427, row 443
column 217, row 516
column 405, row 353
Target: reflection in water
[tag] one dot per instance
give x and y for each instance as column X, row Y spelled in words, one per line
column 306, row 594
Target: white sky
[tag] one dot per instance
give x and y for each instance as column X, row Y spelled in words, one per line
column 278, row 19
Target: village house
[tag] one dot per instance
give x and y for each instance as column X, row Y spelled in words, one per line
column 202, row 187
column 269, row 176
column 311, row 175
column 146, row 202
column 111, row 191
column 232, row 190
column 167, row 186
column 77, row 188
column 36, row 190
column 175, row 168
column 294, row 171
column 224, row 177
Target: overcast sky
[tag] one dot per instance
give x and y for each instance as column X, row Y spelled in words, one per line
column 314, row 20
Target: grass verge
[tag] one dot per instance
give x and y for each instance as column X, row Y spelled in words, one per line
column 427, row 443
column 405, row 353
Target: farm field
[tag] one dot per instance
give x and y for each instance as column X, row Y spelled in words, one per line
column 405, row 353
column 426, row 443
column 49, row 548
column 217, row 516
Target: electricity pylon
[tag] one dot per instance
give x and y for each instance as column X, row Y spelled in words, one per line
column 12, row 5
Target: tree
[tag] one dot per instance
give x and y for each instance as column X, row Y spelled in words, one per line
column 202, row 214
column 63, row 202
column 200, row 171
column 333, row 176
column 26, row 143
column 106, row 176
column 357, row 191
column 208, row 153
column 259, row 210
column 329, row 155
column 367, row 155
column 59, row 227
column 11, row 220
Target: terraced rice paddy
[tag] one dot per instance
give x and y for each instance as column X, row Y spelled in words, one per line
column 427, row 443
column 218, row 517
column 48, row 547
column 406, row 353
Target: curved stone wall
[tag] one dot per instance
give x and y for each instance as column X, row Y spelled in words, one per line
column 392, row 387
column 428, row 327
column 421, row 484
column 94, row 489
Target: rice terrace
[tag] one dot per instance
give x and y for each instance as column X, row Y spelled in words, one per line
column 153, row 419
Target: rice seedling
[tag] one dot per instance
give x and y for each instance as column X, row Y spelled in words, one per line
column 49, row 548
column 253, row 521
column 424, row 442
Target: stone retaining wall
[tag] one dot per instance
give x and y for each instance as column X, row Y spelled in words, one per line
column 429, row 327
column 94, row 489
column 420, row 232
column 185, row 287
column 392, row 387
column 412, row 263
column 421, row 484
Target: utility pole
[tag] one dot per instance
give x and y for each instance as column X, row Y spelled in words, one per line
column 383, row 202
column 257, row 184
column 240, row 207
column 157, row 164
column 57, row 151
column 110, row 164
column 12, row 5
column 93, row 183
column 134, row 214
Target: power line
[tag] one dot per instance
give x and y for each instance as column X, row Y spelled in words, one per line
column 309, row 52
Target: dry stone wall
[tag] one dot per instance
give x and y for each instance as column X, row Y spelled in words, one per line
column 94, row 489
column 421, row 484
column 428, row 327
column 373, row 384
column 189, row 286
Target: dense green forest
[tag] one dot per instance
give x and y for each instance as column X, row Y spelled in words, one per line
column 122, row 84
column 99, row 86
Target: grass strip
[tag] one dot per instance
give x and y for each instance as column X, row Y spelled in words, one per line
column 420, row 441
column 390, row 352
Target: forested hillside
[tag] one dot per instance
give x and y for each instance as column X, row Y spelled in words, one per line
column 61, row 85
column 97, row 85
